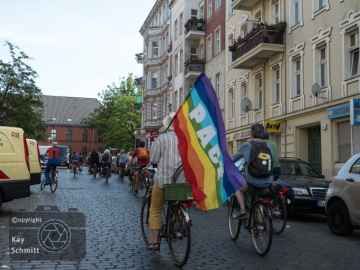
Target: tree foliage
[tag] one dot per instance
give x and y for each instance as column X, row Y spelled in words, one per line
column 118, row 116
column 20, row 98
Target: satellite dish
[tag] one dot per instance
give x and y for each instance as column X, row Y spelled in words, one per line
column 316, row 89
column 245, row 105
column 243, row 18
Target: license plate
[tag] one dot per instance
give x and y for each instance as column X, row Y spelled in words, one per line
column 321, row 203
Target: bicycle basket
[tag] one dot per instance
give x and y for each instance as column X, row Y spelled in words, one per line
column 178, row 192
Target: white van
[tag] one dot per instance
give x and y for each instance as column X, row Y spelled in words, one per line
column 34, row 162
column 14, row 164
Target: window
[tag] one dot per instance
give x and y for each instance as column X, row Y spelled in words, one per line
column 243, row 91
column 53, row 134
column 175, row 29
column 320, row 5
column 181, row 61
column 231, row 103
column 217, row 41
column 259, row 91
column 176, row 63
column 276, row 84
column 344, row 141
column 217, row 84
column 209, row 8
column 181, row 93
column 275, row 9
column 209, row 52
column 69, row 135
column 201, row 11
column 217, row 4
column 194, row 13
column 85, row 135
column 296, row 13
column 297, row 76
column 176, row 100
column 181, row 24
column 354, row 52
column 321, row 66
column 154, row 80
column 155, row 49
column 356, row 167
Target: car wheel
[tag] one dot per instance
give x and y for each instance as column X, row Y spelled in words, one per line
column 339, row 219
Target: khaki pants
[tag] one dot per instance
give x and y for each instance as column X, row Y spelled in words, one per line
column 157, row 203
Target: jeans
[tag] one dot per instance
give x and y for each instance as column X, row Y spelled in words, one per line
column 51, row 163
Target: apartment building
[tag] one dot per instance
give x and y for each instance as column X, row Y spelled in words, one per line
column 155, row 59
column 187, row 47
column 215, row 68
column 298, row 68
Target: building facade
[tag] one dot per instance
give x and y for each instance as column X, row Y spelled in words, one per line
column 156, row 64
column 64, row 118
column 299, row 62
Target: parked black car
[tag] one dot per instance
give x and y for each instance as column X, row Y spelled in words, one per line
column 308, row 186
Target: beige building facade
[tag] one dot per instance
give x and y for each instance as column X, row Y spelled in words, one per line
column 297, row 62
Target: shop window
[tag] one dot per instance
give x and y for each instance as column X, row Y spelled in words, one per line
column 344, row 141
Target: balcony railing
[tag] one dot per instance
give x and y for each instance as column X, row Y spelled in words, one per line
column 194, row 65
column 261, row 34
column 244, row 4
column 195, row 24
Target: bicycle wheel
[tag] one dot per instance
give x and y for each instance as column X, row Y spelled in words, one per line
column 279, row 215
column 54, row 181
column 234, row 223
column 179, row 235
column 142, row 188
column 144, row 219
column 261, row 228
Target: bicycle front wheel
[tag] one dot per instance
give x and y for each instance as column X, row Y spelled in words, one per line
column 144, row 219
column 279, row 215
column 261, row 228
column 179, row 235
column 54, row 182
column 233, row 222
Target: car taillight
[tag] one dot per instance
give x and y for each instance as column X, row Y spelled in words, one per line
column 26, row 151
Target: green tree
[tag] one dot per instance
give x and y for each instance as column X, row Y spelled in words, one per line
column 118, row 116
column 20, row 98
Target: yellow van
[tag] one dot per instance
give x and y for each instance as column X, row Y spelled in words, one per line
column 34, row 162
column 14, row 164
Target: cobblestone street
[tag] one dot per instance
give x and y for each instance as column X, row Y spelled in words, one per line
column 114, row 239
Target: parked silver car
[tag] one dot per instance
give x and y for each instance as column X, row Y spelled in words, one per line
column 343, row 198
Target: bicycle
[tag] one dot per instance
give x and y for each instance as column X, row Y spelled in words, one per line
column 106, row 172
column 259, row 222
column 279, row 210
column 145, row 181
column 75, row 169
column 54, row 177
column 176, row 225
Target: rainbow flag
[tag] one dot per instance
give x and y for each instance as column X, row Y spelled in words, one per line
column 200, row 129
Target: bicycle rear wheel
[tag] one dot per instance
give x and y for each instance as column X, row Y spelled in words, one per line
column 233, row 222
column 144, row 219
column 179, row 235
column 279, row 215
column 261, row 228
column 54, row 181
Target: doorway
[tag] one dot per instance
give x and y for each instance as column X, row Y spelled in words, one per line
column 314, row 147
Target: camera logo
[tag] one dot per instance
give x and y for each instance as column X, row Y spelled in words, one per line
column 54, row 236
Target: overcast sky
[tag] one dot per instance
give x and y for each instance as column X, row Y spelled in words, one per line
column 78, row 46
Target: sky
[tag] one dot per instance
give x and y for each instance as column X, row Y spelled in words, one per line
column 77, row 46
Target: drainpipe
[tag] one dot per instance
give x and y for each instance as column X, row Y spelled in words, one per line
column 286, row 82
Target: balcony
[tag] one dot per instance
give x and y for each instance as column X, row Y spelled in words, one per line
column 194, row 66
column 152, row 124
column 195, row 28
column 244, row 4
column 262, row 43
column 151, row 92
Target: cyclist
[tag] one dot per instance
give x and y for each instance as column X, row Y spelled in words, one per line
column 106, row 160
column 94, row 160
column 165, row 155
column 53, row 160
column 142, row 156
column 75, row 161
column 121, row 160
column 260, row 163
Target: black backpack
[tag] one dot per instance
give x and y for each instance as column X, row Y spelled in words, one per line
column 260, row 163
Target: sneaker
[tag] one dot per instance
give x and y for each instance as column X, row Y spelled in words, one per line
column 242, row 214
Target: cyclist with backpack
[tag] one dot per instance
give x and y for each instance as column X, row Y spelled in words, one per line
column 106, row 160
column 53, row 160
column 142, row 156
column 260, row 161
